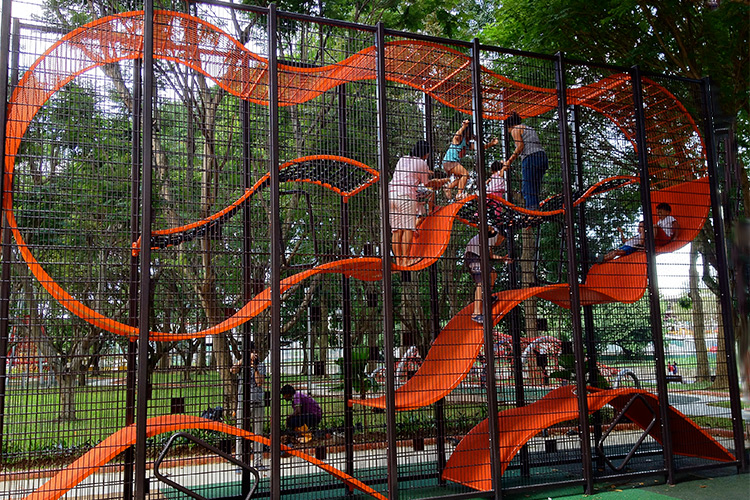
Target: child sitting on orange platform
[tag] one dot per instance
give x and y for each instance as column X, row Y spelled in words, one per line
column 667, row 226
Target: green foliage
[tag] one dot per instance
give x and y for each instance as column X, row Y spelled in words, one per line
column 625, row 325
column 567, row 371
column 689, row 39
column 685, row 302
column 361, row 380
column 439, row 18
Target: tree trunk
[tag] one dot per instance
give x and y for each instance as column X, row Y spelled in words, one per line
column 162, row 354
column 703, row 373
column 323, row 340
column 67, row 396
column 416, row 327
column 201, row 363
column 528, row 279
column 306, row 361
column 721, row 382
column 450, row 280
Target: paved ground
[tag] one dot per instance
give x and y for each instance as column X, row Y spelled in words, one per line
column 719, row 484
column 723, row 484
column 699, row 405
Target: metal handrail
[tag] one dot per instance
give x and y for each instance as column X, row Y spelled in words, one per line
column 618, row 418
column 209, row 447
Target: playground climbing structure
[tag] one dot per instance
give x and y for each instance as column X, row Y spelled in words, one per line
column 244, row 207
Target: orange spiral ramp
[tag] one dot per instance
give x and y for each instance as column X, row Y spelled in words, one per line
column 454, row 351
column 470, row 462
column 118, row 442
column 426, row 66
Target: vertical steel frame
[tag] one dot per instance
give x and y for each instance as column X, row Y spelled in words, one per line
column 515, row 316
column 273, row 168
column 385, row 242
column 347, row 296
column 575, row 297
column 653, row 286
column 486, row 267
column 247, row 289
column 133, row 288
column 141, row 487
column 5, row 273
column 435, row 305
column 723, row 274
column 588, row 310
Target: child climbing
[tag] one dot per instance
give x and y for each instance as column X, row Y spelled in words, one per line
column 473, row 265
column 534, row 161
column 462, row 141
column 496, row 183
column 496, row 186
column 411, row 172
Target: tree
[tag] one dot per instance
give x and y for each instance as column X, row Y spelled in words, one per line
column 624, row 325
column 699, row 326
column 58, row 166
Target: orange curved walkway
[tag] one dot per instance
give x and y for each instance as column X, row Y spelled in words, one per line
column 233, row 207
column 435, row 69
column 470, row 462
column 434, row 234
column 454, row 351
column 118, row 442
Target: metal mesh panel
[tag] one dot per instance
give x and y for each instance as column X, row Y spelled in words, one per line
column 73, row 146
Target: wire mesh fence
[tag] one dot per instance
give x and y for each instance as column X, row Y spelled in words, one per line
column 345, row 340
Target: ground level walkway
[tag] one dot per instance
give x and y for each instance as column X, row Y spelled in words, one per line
column 715, row 484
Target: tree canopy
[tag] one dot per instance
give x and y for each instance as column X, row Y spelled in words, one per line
column 673, row 37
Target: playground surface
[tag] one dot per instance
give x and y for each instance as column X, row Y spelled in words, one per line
column 220, row 479
column 723, row 483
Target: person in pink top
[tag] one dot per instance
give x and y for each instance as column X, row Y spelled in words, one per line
column 497, row 186
column 411, row 172
column 496, row 183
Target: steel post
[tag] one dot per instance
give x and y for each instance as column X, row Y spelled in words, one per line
column 575, row 297
column 653, row 286
column 141, row 487
column 486, row 267
column 385, row 241
column 273, row 168
column 5, row 276
column 723, row 275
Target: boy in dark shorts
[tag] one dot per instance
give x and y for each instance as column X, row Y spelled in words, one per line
column 472, row 262
column 628, row 246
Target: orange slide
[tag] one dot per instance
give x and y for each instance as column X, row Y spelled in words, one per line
column 470, row 462
column 454, row 351
column 115, row 444
column 181, row 234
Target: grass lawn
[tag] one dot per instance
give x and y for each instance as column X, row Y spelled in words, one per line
column 34, row 432
column 745, row 405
